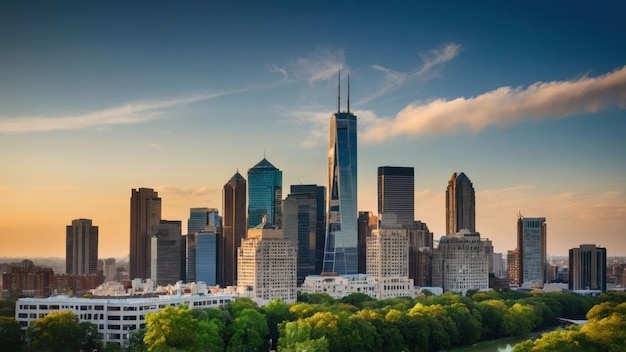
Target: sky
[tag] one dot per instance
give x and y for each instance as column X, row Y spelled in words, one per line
column 97, row 98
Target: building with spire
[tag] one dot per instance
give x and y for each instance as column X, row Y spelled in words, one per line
column 81, row 248
column 341, row 245
column 460, row 205
column 145, row 216
column 233, row 228
column 265, row 192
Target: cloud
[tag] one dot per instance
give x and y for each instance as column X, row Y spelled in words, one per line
column 505, row 106
column 130, row 113
column 322, row 65
column 433, row 59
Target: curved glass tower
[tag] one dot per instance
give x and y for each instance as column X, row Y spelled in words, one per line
column 340, row 250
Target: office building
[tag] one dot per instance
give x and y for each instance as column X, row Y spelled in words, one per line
column 341, row 244
column 167, row 253
column 303, row 226
column 199, row 219
column 145, row 215
column 461, row 263
column 233, row 228
column 81, row 247
column 115, row 318
column 207, row 259
column 460, row 205
column 267, row 265
column 396, row 193
column 388, row 259
column 531, row 253
column 587, row 268
column 265, row 194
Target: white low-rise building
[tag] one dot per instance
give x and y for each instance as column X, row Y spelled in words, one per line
column 114, row 317
column 339, row 286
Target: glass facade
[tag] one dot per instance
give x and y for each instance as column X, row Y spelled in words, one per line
column 340, row 251
column 265, row 183
column 396, row 193
column 206, row 257
column 199, row 219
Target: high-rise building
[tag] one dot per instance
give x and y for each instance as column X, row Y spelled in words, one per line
column 207, row 259
column 166, row 256
column 265, row 194
column 460, row 205
column 303, row 226
column 420, row 254
column 531, row 253
column 267, row 265
column 233, row 228
column 145, row 215
column 587, row 268
column 461, row 263
column 199, row 219
column 81, row 247
column 388, row 259
column 341, row 245
column 396, row 193
column 366, row 223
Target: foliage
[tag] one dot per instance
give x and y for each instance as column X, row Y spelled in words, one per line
column 172, row 328
column 11, row 334
column 7, row 308
column 60, row 331
column 249, row 329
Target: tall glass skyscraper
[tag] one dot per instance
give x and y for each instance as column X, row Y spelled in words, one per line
column 199, row 219
column 460, row 205
column 265, row 194
column 396, row 193
column 340, row 252
column 233, row 229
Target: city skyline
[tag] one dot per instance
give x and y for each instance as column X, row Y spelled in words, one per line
column 99, row 99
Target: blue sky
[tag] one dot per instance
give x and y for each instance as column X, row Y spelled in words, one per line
column 526, row 98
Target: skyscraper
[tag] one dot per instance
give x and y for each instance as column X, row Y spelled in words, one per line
column 145, row 215
column 166, row 256
column 303, row 226
column 366, row 223
column 460, row 205
column 396, row 193
column 265, row 194
column 531, row 252
column 340, row 251
column 199, row 219
column 81, row 248
column 587, row 268
column 233, row 228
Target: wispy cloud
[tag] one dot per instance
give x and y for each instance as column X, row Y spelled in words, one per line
column 432, row 60
column 322, row 65
column 505, row 106
column 130, row 113
column 185, row 190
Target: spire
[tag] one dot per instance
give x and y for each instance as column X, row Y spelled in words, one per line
column 338, row 89
column 348, row 93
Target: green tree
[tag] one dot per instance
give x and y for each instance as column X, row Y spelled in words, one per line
column 296, row 337
column 60, row 331
column 171, row 328
column 11, row 335
column 249, row 331
column 276, row 312
column 7, row 307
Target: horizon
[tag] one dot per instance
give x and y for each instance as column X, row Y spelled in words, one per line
column 101, row 98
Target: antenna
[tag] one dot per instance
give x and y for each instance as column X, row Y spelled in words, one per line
column 348, row 93
column 338, row 89
column 263, row 152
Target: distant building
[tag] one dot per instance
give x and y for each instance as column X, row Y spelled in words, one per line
column 233, row 228
column 207, row 259
column 587, row 268
column 341, row 244
column 145, row 215
column 76, row 285
column 303, row 226
column 339, row 286
column 388, row 259
column 367, row 223
column 499, row 269
column 267, row 265
column 81, row 248
column 28, row 280
column 396, row 193
column 420, row 254
column 460, row 205
column 167, row 253
column 513, row 266
column 531, row 253
column 265, row 187
column 461, row 263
